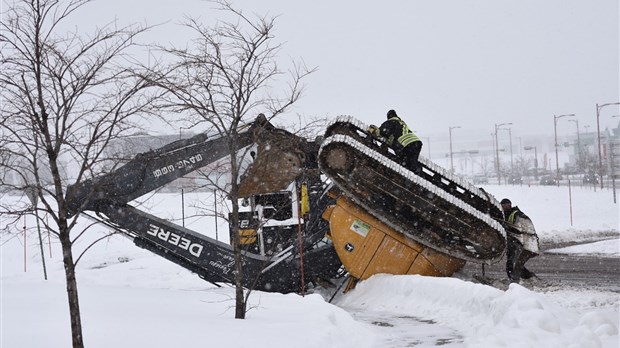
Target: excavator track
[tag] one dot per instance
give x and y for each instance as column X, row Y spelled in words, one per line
column 434, row 207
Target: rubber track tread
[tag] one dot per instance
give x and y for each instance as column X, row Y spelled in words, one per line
column 412, row 205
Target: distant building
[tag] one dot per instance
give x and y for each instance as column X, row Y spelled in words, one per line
column 584, row 156
column 123, row 149
column 129, row 146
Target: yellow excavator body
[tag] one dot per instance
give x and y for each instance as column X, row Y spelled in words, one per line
column 367, row 246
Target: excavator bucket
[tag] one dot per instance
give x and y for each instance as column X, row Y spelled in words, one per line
column 279, row 160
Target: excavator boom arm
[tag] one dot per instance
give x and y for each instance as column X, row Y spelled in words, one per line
column 108, row 197
column 154, row 169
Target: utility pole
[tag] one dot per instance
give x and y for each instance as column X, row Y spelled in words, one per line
column 578, row 144
column 598, row 131
column 427, row 144
column 512, row 171
column 555, row 132
column 451, row 161
column 497, row 126
column 535, row 160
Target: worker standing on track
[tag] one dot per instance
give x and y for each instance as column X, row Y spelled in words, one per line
column 401, row 139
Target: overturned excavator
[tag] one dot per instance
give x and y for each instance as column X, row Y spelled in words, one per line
column 333, row 208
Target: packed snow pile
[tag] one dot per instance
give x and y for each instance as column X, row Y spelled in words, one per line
column 486, row 316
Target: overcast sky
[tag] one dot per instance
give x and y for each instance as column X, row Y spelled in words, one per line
column 439, row 63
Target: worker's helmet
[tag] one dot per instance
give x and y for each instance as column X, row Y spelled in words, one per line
column 391, row 114
column 505, row 201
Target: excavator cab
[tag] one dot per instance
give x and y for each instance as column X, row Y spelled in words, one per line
column 269, row 222
column 275, row 206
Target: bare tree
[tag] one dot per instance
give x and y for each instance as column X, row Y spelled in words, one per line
column 224, row 80
column 64, row 98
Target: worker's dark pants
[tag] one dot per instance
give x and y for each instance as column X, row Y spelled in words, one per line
column 516, row 257
column 410, row 155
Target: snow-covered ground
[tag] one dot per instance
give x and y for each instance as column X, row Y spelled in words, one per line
column 132, row 298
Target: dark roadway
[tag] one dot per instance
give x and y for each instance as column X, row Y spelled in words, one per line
column 571, row 270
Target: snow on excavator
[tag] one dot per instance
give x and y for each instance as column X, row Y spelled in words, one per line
column 336, row 207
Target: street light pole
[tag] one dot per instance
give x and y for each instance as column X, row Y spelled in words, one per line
column 555, row 132
column 598, row 131
column 427, row 143
column 493, row 152
column 497, row 150
column 578, row 143
column 451, row 162
column 535, row 163
column 613, row 172
column 499, row 181
column 511, row 163
column 494, row 141
column 535, row 160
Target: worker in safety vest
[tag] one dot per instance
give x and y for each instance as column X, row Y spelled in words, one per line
column 401, row 139
column 522, row 242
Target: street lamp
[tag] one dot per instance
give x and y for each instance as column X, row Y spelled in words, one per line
column 451, row 162
column 535, row 160
column 555, row 132
column 511, row 163
column 497, row 126
column 613, row 173
column 578, row 144
column 493, row 152
column 427, row 143
column 510, row 137
column 598, row 132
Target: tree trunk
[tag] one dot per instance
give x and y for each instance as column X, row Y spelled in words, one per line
column 41, row 244
column 240, row 303
column 72, row 291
